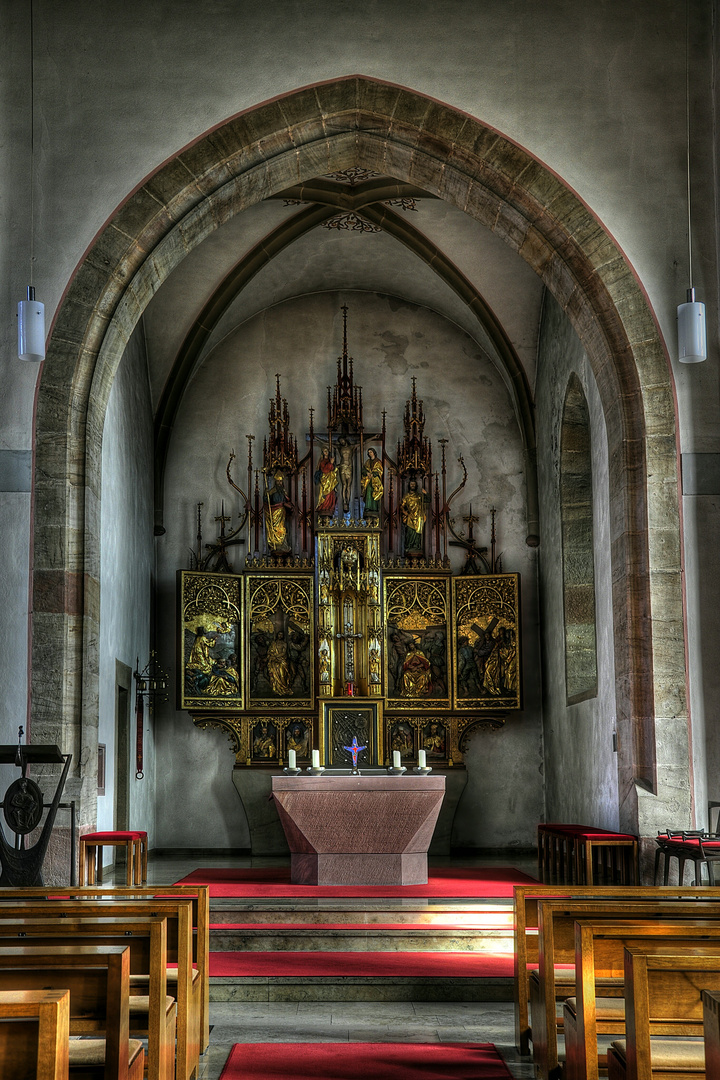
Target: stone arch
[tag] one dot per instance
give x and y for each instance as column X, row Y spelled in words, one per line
column 394, row 131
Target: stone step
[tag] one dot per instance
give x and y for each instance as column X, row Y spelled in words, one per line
column 359, row 938
column 464, row 913
column 318, row 988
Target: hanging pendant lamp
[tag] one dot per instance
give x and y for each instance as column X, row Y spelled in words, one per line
column 31, row 328
column 31, row 313
column 692, row 333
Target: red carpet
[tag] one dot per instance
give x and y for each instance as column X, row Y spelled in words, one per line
column 357, row 1061
column 275, row 881
column 415, row 965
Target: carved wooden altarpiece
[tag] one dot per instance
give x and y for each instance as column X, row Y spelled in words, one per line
column 346, row 618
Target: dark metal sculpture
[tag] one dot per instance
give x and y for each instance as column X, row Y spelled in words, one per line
column 23, row 807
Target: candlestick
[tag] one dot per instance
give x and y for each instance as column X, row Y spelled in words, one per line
column 316, row 759
column 291, row 760
column 422, row 759
column 397, row 763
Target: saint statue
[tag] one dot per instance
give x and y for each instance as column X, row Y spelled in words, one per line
column 278, row 666
column 374, row 659
column 277, row 508
column 416, row 674
column 326, row 475
column 413, row 511
column 371, row 484
column 264, row 743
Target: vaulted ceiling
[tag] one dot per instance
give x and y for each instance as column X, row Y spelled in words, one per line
column 351, row 231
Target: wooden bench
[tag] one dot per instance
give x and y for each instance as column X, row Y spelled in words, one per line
column 34, row 1034
column 570, row 853
column 556, row 944
column 200, row 896
column 184, row 978
column 152, row 1016
column 525, row 900
column 663, row 997
column 98, row 980
column 599, row 951
column 711, row 1033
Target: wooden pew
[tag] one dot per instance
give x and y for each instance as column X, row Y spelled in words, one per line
column 599, row 951
column 154, row 1019
column 200, row 896
column 525, row 900
column 663, row 997
column 185, row 978
column 98, row 980
column 34, row 1034
column 711, row 1032
column 556, row 944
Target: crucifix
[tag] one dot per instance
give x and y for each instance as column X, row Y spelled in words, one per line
column 354, row 749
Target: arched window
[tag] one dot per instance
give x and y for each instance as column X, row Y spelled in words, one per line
column 576, row 510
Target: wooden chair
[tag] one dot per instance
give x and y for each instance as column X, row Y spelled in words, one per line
column 135, row 843
column 34, row 1034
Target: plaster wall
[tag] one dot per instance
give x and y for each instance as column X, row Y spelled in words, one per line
column 578, row 739
column 126, row 574
column 465, row 401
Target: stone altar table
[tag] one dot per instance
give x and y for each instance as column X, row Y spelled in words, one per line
column 358, row 830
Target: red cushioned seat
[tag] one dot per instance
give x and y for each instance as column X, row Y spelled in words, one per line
column 98, row 837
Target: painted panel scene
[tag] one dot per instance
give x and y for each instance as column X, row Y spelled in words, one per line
column 279, row 648
column 487, row 642
column 210, row 662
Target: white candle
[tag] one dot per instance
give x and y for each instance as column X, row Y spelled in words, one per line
column 316, row 759
column 396, row 759
column 291, row 759
column 422, row 760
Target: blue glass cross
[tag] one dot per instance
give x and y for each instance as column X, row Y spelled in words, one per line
column 354, row 750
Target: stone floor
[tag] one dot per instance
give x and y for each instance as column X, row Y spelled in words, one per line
column 344, row 1021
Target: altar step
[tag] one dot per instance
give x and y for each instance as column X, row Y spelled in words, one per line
column 360, row 937
column 303, row 976
column 354, row 911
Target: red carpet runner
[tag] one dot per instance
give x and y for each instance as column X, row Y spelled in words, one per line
column 274, row 881
column 363, row 964
column 358, row 1061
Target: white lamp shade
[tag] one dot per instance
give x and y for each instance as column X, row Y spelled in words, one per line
column 692, row 336
column 31, row 330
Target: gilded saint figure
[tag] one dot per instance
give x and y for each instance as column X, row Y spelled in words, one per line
column 277, row 509
column 371, row 484
column 279, row 667
column 200, row 662
column 413, row 511
column 416, row 674
column 264, row 743
column 326, row 476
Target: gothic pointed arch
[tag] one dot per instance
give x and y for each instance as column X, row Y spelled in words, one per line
column 400, row 133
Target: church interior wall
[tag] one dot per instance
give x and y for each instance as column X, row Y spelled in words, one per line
column 465, row 401
column 578, row 738
column 126, row 575
column 598, row 95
